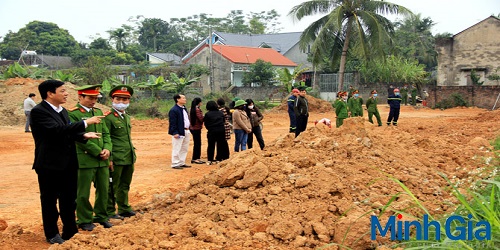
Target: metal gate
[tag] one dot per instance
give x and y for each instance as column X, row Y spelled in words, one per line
column 330, row 82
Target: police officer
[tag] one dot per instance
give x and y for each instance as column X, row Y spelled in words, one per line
column 123, row 156
column 341, row 109
column 291, row 112
column 93, row 162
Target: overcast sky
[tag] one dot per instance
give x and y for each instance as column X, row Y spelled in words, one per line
column 92, row 18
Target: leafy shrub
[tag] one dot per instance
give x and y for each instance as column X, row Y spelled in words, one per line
column 454, row 100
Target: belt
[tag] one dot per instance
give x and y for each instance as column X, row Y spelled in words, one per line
column 186, row 129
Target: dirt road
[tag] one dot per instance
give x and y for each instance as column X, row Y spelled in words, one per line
column 465, row 131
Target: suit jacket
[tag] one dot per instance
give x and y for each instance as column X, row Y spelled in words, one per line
column 55, row 138
column 176, row 121
column 119, row 130
column 88, row 153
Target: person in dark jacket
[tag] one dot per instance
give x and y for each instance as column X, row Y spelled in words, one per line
column 56, row 163
column 196, row 120
column 228, row 128
column 255, row 117
column 291, row 112
column 214, row 122
column 301, row 111
column 178, row 127
column 394, row 102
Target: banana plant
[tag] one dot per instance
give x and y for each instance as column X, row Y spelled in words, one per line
column 287, row 78
column 154, row 84
column 179, row 84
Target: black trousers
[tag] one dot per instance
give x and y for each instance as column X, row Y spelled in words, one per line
column 393, row 116
column 258, row 134
column 58, row 185
column 217, row 139
column 301, row 124
column 196, row 144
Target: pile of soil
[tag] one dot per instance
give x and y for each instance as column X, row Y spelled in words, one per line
column 303, row 192
column 13, row 92
column 315, row 105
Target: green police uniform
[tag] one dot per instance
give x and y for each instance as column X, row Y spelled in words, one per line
column 91, row 168
column 354, row 105
column 123, row 155
column 404, row 95
column 414, row 96
column 371, row 105
column 341, row 112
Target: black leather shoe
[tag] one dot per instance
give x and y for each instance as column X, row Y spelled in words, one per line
column 128, row 214
column 116, row 217
column 56, row 239
column 186, row 166
column 177, row 167
column 106, row 224
column 87, row 226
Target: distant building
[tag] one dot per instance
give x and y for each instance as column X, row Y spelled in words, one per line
column 475, row 48
column 230, row 62
column 161, row 58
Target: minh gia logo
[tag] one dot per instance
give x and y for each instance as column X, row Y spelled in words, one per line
column 463, row 230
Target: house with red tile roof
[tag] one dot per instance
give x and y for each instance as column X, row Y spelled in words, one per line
column 230, row 62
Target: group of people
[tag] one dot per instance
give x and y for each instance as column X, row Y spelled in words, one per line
column 77, row 147
column 242, row 118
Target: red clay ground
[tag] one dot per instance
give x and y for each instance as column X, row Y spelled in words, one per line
column 297, row 194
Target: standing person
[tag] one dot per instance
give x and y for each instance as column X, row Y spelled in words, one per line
column 301, row 111
column 341, row 109
column 178, row 127
column 255, row 117
column 122, row 159
column 291, row 112
column 350, row 92
column 355, row 104
column 371, row 105
column 214, row 122
column 242, row 126
column 404, row 94
column 390, row 90
column 394, row 102
column 222, row 154
column 414, row 96
column 93, row 162
column 196, row 121
column 29, row 104
column 55, row 163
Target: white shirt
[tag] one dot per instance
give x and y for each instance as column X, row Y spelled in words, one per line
column 186, row 118
column 29, row 104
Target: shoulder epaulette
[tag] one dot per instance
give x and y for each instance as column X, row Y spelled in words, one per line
column 107, row 113
column 73, row 109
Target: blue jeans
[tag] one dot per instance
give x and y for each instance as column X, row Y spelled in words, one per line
column 241, row 139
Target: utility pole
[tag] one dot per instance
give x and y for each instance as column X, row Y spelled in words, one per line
column 211, row 77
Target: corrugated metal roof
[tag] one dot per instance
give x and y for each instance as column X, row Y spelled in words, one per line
column 281, row 42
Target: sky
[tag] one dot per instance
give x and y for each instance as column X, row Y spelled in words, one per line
column 90, row 19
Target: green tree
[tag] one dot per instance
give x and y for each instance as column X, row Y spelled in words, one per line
column 261, row 72
column 346, row 21
column 413, row 39
column 119, row 36
column 96, row 70
column 43, row 37
column 100, row 43
column 179, row 84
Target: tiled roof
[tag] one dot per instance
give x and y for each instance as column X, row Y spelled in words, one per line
column 249, row 55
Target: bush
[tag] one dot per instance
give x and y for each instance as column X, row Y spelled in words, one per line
column 454, row 100
column 150, row 108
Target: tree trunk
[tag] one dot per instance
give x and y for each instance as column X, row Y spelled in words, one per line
column 343, row 57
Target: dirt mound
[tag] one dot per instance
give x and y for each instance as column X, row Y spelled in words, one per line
column 315, row 105
column 13, row 91
column 300, row 193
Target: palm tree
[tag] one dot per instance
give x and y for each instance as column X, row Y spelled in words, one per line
column 346, row 20
column 119, row 35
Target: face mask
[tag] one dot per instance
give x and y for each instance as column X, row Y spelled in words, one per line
column 356, row 95
column 374, row 95
column 250, row 107
column 120, row 106
column 396, row 93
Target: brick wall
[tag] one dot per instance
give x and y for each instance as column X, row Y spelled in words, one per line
column 484, row 96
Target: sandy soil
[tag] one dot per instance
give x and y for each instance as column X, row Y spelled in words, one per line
column 299, row 193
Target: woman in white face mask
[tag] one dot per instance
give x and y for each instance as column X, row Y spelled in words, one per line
column 255, row 117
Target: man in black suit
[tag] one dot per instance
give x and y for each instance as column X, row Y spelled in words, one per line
column 55, row 158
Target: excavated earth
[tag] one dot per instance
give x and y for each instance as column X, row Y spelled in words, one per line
column 298, row 193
